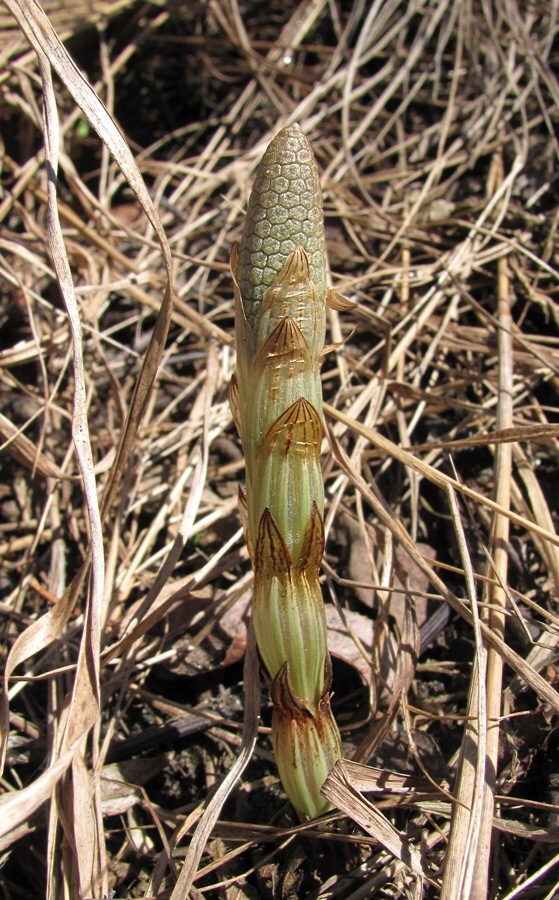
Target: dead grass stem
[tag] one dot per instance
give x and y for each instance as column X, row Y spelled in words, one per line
column 125, row 582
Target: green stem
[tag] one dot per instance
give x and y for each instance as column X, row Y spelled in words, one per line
column 279, row 271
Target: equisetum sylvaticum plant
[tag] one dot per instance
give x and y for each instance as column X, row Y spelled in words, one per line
column 279, row 273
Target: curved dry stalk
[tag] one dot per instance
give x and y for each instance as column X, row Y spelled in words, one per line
column 412, row 101
column 85, row 821
column 280, row 312
column 498, row 565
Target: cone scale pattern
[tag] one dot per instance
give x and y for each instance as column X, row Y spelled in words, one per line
column 279, row 273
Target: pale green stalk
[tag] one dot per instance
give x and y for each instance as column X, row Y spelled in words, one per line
column 279, row 271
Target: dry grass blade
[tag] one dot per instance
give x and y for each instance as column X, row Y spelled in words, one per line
column 26, row 452
column 84, row 706
column 536, row 682
column 18, row 806
column 125, row 582
column 339, row 789
column 406, row 663
column 497, row 570
column 534, row 880
column 214, row 807
column 440, row 479
column 82, row 804
column 539, row 508
column 371, row 779
column 468, row 812
column 83, row 710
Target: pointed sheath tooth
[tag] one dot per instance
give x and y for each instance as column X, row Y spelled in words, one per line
column 284, row 211
column 235, row 404
column 298, row 430
column 283, row 694
column 288, row 615
column 312, row 550
column 240, row 318
column 327, row 677
column 244, row 337
column 243, row 514
column 339, row 302
column 282, row 371
column 306, row 749
column 288, row 455
column 284, row 351
column 293, row 294
column 283, row 368
column 234, row 262
column 287, row 295
column 272, row 558
column 279, row 272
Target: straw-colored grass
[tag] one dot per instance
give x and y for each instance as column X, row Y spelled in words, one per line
column 136, row 762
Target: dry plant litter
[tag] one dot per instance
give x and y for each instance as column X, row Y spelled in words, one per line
column 135, row 731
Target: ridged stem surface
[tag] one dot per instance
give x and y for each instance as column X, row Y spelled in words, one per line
column 279, row 270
